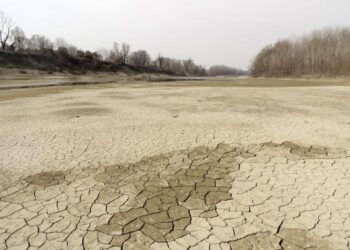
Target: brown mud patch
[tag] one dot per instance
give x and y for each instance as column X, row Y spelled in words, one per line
column 77, row 112
column 167, row 194
column 162, row 208
column 313, row 151
column 159, row 197
column 46, row 179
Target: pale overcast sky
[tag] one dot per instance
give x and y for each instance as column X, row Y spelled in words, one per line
column 211, row 32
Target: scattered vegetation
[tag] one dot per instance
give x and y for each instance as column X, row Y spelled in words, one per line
column 322, row 53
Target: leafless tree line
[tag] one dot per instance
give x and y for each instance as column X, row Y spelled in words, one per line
column 14, row 39
column 222, row 70
column 180, row 67
column 123, row 55
column 322, row 53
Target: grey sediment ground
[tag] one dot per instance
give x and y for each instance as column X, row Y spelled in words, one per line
column 176, row 165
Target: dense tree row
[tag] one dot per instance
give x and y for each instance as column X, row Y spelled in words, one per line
column 14, row 39
column 123, row 55
column 222, row 70
column 322, row 53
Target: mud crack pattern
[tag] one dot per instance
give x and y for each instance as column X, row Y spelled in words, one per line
column 261, row 196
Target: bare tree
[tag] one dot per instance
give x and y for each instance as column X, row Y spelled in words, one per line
column 140, row 58
column 5, row 29
column 124, row 53
column 160, row 62
column 115, row 54
column 189, row 66
column 178, row 67
column 60, row 43
column 104, row 53
column 39, row 42
column 322, row 53
column 222, row 70
column 19, row 38
column 72, row 50
column 200, row 70
column 119, row 54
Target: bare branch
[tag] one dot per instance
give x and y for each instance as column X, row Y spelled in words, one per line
column 6, row 25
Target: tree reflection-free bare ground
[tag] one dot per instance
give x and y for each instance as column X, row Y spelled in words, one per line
column 160, row 165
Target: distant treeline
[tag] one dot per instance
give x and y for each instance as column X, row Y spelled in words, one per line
column 322, row 53
column 222, row 70
column 42, row 49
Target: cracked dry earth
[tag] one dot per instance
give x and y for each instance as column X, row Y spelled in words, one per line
column 228, row 197
column 204, row 190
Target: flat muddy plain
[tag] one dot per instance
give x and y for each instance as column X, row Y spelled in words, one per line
column 221, row 163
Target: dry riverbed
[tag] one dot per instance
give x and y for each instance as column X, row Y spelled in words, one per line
column 215, row 164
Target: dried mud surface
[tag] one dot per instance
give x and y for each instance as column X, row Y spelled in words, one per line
column 162, row 167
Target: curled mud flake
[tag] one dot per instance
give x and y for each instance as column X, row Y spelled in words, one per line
column 46, row 179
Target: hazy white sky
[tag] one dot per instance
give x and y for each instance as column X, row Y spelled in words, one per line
column 211, row 32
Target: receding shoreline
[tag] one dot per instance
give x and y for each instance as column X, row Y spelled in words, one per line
column 33, row 79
